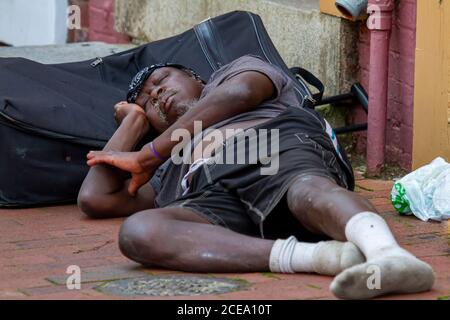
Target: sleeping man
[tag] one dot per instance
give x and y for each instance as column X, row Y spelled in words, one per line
column 262, row 186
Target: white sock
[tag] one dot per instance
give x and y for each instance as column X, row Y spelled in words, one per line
column 371, row 234
column 281, row 256
column 397, row 270
column 325, row 257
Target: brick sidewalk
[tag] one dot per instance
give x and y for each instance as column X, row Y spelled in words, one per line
column 37, row 246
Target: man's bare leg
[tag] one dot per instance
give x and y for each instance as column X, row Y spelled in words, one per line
column 180, row 239
column 324, row 207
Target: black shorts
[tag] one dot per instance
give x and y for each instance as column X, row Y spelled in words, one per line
column 240, row 198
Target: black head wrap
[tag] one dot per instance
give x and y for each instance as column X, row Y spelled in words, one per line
column 142, row 76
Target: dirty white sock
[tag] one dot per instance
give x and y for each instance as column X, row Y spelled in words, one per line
column 371, row 234
column 397, row 269
column 325, row 257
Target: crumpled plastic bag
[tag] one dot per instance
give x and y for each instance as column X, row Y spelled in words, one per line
column 424, row 192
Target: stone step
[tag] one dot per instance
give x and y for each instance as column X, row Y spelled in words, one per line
column 63, row 53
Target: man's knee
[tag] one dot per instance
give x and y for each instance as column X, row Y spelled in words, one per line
column 323, row 206
column 314, row 193
column 308, row 192
column 141, row 237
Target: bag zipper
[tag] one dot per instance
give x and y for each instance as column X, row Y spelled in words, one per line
column 96, row 62
column 99, row 62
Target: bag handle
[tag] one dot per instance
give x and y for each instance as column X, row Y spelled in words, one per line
column 310, row 79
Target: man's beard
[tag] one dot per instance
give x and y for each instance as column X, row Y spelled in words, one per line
column 162, row 116
column 182, row 108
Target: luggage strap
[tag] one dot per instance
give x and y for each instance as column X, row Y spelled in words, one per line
column 211, row 45
column 311, row 79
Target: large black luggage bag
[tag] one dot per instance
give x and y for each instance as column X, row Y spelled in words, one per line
column 52, row 115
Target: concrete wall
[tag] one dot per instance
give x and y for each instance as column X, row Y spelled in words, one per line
column 37, row 22
column 324, row 44
column 399, row 135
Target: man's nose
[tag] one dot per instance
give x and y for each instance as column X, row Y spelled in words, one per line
column 156, row 91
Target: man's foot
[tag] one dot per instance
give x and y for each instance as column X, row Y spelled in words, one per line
column 332, row 257
column 326, row 257
column 399, row 272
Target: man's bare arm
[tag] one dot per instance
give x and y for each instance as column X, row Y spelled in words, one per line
column 104, row 180
column 240, row 94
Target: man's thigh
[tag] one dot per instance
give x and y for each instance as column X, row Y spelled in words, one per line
column 219, row 207
column 282, row 223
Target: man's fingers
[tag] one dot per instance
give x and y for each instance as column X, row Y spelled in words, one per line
column 133, row 188
column 95, row 161
column 123, row 160
column 91, row 163
column 119, row 105
column 137, row 181
column 96, row 154
column 99, row 157
column 91, row 155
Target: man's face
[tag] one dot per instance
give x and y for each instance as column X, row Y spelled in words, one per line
column 167, row 94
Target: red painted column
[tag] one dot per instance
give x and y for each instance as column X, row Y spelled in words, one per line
column 101, row 22
column 380, row 25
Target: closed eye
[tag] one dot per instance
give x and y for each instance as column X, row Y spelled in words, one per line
column 160, row 79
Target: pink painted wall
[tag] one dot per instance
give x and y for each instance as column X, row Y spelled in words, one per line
column 101, row 22
column 399, row 135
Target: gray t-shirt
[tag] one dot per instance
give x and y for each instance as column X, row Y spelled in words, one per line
column 167, row 180
column 283, row 98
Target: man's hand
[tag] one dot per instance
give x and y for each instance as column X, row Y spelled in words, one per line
column 142, row 165
column 123, row 109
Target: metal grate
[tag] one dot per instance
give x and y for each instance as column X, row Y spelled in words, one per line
column 171, row 286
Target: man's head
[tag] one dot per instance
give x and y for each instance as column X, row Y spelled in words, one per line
column 166, row 92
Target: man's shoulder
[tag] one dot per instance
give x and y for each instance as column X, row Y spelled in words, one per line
column 246, row 59
column 245, row 62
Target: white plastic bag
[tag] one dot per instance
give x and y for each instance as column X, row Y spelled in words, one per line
column 424, row 192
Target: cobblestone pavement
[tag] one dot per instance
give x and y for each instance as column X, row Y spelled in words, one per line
column 37, row 246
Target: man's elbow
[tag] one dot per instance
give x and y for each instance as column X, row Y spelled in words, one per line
column 252, row 88
column 245, row 95
column 253, row 93
column 91, row 205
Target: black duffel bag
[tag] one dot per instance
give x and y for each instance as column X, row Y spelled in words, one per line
column 52, row 115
